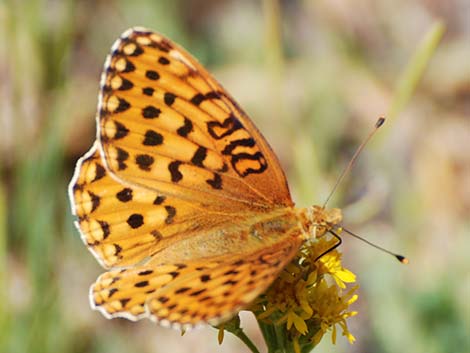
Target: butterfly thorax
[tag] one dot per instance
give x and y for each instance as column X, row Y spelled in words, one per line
column 317, row 220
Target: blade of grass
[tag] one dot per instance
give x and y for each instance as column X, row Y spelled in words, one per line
column 413, row 73
column 4, row 313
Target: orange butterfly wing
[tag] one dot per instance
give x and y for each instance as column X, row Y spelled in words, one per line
column 208, row 268
column 183, row 295
column 166, row 124
column 180, row 196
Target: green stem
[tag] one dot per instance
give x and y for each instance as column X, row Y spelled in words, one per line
column 245, row 339
column 4, row 308
column 276, row 338
column 268, row 335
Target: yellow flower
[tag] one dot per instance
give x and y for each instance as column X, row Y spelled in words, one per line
column 310, row 297
column 330, row 263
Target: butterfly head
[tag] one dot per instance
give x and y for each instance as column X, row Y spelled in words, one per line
column 319, row 220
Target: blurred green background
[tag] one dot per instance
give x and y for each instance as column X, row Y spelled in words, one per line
column 314, row 76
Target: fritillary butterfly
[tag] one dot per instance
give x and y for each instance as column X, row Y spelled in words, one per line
column 180, row 197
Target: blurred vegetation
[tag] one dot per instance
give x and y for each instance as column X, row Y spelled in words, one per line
column 314, row 76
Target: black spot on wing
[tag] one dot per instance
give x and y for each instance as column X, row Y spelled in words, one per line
column 95, row 200
column 171, row 211
column 258, row 157
column 125, row 195
column 187, row 127
column 156, row 234
column 125, row 85
column 123, row 105
column 176, row 175
column 124, row 301
column 159, row 200
column 130, row 67
column 150, row 112
column 169, row 98
column 212, row 95
column 247, row 142
column 135, row 220
column 148, row 91
column 163, row 45
column 227, row 127
column 174, row 274
column 205, row 278
column 121, row 158
column 152, row 138
column 121, row 130
column 144, row 161
column 196, row 293
column 199, row 156
column 100, row 172
column 78, row 187
column 152, row 75
column 141, row 284
column 198, row 98
column 216, row 182
column 163, row 299
column 164, row 61
column 182, row 290
column 104, row 228
column 137, row 51
column 145, row 272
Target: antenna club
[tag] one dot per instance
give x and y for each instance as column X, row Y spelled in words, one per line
column 402, row 259
column 380, row 122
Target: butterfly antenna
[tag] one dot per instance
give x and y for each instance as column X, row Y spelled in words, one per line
column 400, row 258
column 346, row 170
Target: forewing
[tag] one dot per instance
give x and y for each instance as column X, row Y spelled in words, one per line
column 166, row 124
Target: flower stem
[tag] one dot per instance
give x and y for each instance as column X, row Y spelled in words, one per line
column 245, row 339
column 276, row 338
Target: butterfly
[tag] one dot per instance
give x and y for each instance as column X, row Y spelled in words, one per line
column 180, row 197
